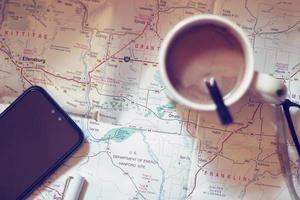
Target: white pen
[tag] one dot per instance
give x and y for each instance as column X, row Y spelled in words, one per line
column 73, row 187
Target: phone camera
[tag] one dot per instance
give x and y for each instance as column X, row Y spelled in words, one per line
column 52, row 111
column 59, row 118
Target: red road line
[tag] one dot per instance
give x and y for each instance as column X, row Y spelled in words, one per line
column 89, row 73
column 205, row 164
column 125, row 46
column 59, row 76
column 22, row 74
column 55, row 75
column 255, row 111
column 34, row 68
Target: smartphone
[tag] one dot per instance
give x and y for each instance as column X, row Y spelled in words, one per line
column 36, row 137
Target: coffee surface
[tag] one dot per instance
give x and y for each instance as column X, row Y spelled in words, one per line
column 201, row 53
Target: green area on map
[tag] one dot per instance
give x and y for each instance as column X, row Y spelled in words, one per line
column 119, row 134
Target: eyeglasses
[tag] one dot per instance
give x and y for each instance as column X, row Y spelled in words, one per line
column 290, row 108
column 292, row 112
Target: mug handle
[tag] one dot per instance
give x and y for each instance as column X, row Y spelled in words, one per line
column 272, row 90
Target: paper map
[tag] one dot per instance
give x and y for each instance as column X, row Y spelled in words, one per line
column 102, row 55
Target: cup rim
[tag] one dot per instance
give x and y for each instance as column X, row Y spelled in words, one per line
column 207, row 19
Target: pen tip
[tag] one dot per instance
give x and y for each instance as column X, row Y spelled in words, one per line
column 210, row 82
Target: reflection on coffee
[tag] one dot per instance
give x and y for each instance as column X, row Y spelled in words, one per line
column 203, row 52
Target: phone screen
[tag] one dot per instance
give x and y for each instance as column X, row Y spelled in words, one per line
column 36, row 136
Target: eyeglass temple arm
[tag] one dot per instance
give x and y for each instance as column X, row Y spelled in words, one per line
column 286, row 106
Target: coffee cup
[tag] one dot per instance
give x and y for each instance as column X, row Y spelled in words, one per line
column 208, row 46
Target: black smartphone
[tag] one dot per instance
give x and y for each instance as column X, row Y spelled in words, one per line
column 36, row 137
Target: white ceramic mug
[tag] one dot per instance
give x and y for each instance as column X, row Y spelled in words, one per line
column 272, row 90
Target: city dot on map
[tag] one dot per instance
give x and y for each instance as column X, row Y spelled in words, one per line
column 126, row 58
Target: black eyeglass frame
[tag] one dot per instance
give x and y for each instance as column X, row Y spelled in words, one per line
column 286, row 105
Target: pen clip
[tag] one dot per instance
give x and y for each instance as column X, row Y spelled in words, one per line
column 67, row 183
